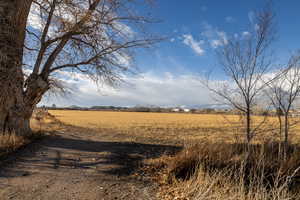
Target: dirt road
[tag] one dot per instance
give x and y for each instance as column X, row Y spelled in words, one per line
column 76, row 165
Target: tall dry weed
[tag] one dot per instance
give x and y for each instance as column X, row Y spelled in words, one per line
column 217, row 171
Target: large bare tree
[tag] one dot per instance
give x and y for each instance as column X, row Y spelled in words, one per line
column 245, row 60
column 46, row 37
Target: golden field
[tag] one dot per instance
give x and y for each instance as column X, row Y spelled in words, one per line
column 211, row 164
column 212, row 156
column 179, row 127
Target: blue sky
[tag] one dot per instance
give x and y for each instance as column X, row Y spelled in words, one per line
column 197, row 16
column 168, row 71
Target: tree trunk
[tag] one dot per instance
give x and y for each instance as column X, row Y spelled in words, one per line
column 280, row 133
column 248, row 126
column 286, row 133
column 15, row 113
column 280, row 127
column 13, row 121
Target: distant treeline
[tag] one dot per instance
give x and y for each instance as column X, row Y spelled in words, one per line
column 259, row 112
column 142, row 109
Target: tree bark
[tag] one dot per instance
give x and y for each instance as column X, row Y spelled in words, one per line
column 248, row 126
column 15, row 123
column 15, row 112
column 286, row 132
column 280, row 133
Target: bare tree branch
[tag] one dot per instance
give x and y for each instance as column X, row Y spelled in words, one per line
column 245, row 61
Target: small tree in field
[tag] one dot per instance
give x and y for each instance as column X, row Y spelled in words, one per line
column 52, row 37
column 245, row 61
column 283, row 92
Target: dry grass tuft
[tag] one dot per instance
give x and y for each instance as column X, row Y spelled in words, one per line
column 229, row 171
column 11, row 142
column 218, row 186
column 41, row 121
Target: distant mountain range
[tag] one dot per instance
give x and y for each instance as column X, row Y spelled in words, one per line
column 203, row 106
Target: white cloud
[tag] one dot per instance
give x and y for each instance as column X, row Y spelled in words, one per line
column 146, row 89
column 242, row 35
column 34, row 19
column 122, row 59
column 215, row 43
column 124, row 29
column 214, row 36
column 222, row 40
column 194, row 44
column 165, row 89
column 223, row 37
column 246, row 34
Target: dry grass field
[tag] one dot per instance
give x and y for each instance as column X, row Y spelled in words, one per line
column 214, row 163
column 169, row 127
column 164, row 127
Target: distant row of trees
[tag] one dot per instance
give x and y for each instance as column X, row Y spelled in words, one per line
column 136, row 109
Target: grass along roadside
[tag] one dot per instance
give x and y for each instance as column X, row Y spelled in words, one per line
column 214, row 171
column 10, row 143
column 41, row 122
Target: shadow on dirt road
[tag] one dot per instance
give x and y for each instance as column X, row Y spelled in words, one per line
column 76, row 165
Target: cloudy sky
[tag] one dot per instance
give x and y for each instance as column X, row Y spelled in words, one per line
column 169, row 72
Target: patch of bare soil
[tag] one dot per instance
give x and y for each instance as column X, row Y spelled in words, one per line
column 79, row 164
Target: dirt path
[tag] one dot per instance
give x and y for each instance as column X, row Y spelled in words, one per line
column 74, row 165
